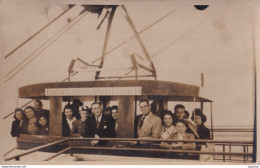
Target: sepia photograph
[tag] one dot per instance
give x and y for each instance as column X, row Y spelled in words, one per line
column 155, row 82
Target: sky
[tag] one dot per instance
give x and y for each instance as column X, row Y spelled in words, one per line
column 218, row 42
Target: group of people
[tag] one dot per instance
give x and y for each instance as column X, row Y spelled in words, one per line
column 175, row 126
column 98, row 123
column 31, row 120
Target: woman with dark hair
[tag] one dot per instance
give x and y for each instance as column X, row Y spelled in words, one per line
column 67, row 120
column 167, row 124
column 29, row 124
column 200, row 119
column 17, row 123
column 181, row 134
column 43, row 125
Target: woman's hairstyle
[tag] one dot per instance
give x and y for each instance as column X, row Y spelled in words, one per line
column 166, row 112
column 38, row 119
column 21, row 110
column 29, row 107
column 199, row 112
column 182, row 121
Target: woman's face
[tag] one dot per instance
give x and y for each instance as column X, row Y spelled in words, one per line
column 42, row 121
column 68, row 113
column 197, row 120
column 29, row 113
column 84, row 115
column 19, row 115
column 180, row 127
column 167, row 119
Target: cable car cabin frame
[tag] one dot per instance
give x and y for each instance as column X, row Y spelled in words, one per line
column 126, row 92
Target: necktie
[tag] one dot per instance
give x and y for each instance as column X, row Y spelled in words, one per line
column 141, row 122
column 97, row 122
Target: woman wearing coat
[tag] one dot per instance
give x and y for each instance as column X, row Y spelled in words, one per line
column 17, row 123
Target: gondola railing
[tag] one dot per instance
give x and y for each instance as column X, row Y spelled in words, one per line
column 73, row 143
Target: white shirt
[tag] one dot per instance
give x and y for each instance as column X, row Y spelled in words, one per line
column 167, row 131
column 180, row 137
column 70, row 121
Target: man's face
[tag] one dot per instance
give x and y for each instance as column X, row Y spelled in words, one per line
column 114, row 113
column 68, row 113
column 144, row 107
column 84, row 115
column 96, row 109
column 180, row 113
column 37, row 106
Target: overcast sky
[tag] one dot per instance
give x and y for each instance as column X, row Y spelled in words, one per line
column 217, row 41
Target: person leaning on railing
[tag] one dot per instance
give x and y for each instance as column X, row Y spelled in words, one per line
column 79, row 125
column 181, row 114
column 19, row 117
column 167, row 124
column 43, row 125
column 181, row 134
column 29, row 124
column 203, row 132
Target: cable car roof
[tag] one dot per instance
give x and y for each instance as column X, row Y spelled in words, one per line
column 152, row 88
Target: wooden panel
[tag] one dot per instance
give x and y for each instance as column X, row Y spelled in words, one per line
column 55, row 124
column 126, row 115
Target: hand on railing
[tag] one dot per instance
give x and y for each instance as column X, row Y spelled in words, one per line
column 94, row 142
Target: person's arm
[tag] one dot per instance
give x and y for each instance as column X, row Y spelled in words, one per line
column 15, row 129
column 189, row 145
column 156, row 129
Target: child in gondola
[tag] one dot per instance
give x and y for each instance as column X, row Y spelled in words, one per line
column 181, row 134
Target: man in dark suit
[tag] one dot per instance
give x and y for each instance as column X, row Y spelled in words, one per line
column 99, row 125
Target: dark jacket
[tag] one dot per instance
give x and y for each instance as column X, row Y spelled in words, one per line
column 16, row 129
column 65, row 127
column 106, row 128
column 203, row 132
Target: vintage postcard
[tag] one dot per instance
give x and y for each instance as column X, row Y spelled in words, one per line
column 128, row 82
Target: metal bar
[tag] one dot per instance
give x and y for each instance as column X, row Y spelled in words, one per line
column 233, row 130
column 9, row 151
column 19, row 107
column 109, row 77
column 71, row 148
column 161, row 150
column 229, row 151
column 111, row 16
column 165, row 140
column 247, row 152
column 211, row 114
column 44, row 46
column 57, row 154
column 37, row 32
column 130, row 22
column 244, row 151
column 224, row 157
column 35, row 149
